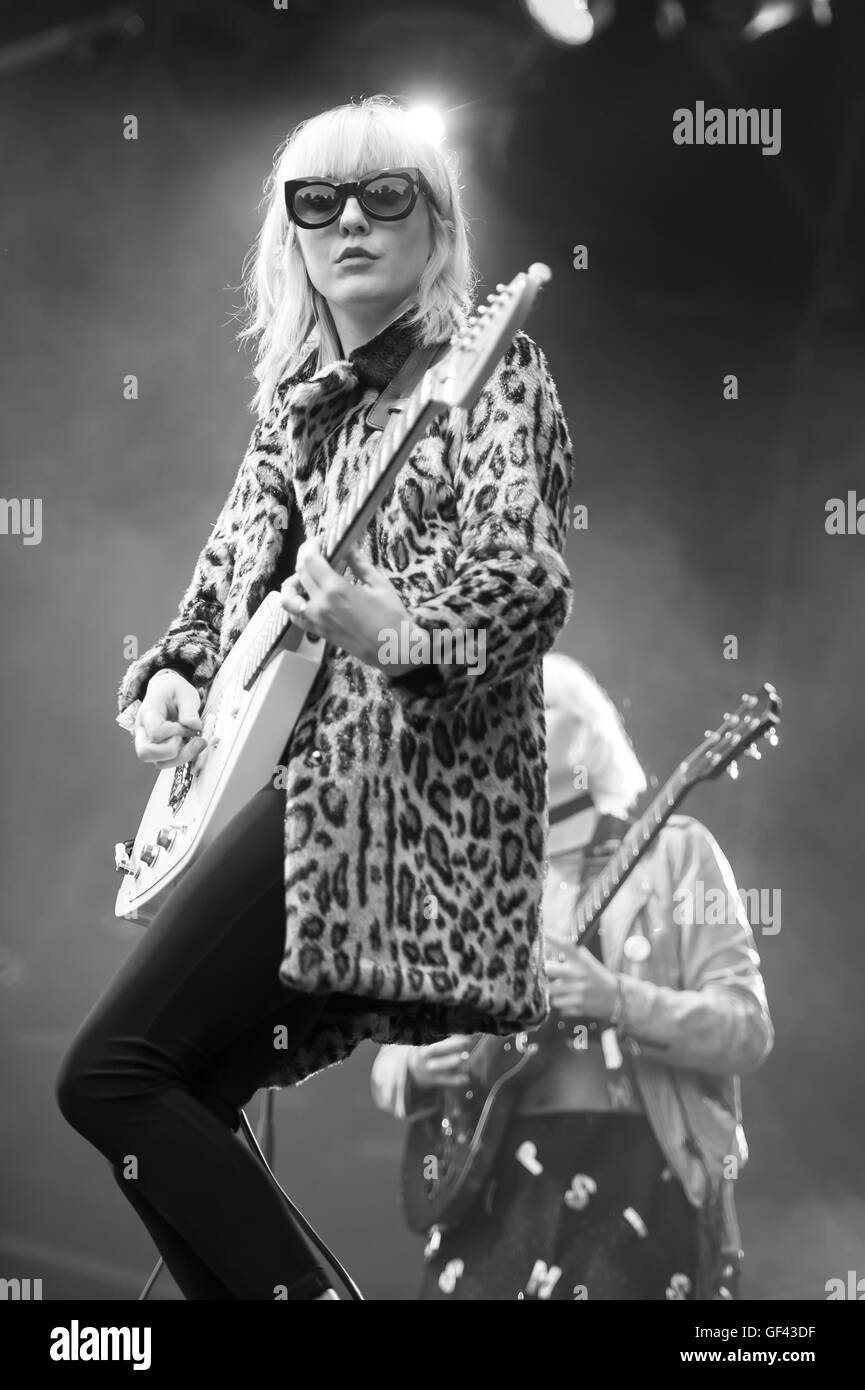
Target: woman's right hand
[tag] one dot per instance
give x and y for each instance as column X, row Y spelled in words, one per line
column 167, row 721
column 441, row 1063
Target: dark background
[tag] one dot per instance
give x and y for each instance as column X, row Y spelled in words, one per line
column 706, row 516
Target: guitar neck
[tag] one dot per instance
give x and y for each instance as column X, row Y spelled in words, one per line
column 640, row 836
column 400, row 435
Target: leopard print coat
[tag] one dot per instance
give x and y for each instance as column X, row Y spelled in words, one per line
column 415, row 817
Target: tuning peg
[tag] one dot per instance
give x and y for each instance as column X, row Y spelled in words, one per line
column 733, row 769
column 749, row 700
column 500, row 289
column 752, row 751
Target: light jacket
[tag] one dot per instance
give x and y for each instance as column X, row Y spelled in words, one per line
column 415, row 818
column 696, row 1014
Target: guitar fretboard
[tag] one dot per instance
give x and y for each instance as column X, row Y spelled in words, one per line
column 397, row 440
column 399, row 428
column 641, row 834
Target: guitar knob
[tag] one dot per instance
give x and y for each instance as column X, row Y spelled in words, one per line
column 166, row 837
column 148, row 854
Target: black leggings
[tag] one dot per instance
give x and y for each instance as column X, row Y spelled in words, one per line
column 176, row 1045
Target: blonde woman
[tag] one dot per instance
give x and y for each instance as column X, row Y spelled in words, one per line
column 615, row 1176
column 309, row 923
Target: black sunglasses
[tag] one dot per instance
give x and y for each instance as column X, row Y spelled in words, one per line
column 387, row 195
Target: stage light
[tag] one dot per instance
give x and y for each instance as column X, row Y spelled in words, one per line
column 669, row 18
column 571, row 21
column 737, row 20
column 774, row 15
column 428, row 123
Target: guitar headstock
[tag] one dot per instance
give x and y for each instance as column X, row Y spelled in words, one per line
column 457, row 380
column 756, row 717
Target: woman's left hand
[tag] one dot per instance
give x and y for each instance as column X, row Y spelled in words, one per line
column 581, row 985
column 350, row 615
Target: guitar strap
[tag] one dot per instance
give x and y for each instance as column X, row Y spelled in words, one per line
column 394, row 396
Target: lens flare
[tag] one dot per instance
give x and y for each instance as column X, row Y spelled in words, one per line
column 428, row 123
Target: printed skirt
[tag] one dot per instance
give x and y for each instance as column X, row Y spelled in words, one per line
column 581, row 1206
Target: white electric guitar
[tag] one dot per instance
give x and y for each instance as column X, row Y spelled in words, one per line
column 260, row 689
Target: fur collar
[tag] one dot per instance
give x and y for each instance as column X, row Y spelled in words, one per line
column 291, row 463
column 311, row 405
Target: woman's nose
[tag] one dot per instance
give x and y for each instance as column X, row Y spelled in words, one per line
column 353, row 218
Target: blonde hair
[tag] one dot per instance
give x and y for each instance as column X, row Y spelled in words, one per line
column 283, row 310
column 600, row 742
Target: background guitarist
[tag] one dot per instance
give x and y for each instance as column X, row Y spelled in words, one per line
column 614, row 1177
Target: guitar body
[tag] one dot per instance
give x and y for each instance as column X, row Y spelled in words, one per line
column 247, row 731
column 464, row 1131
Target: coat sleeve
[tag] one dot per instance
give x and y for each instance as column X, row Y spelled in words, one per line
column 718, row 1022
column 191, row 643
column 512, row 468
